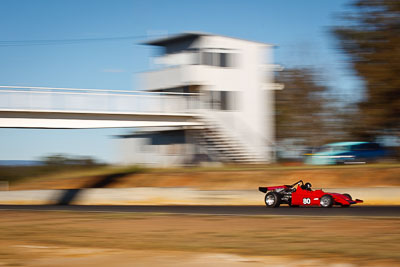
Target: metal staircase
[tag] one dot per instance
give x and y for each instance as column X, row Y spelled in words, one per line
column 221, row 147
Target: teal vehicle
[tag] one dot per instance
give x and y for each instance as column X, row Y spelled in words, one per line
column 346, row 153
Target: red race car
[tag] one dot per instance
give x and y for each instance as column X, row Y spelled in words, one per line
column 300, row 194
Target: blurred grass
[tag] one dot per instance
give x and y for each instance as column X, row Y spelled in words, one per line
column 20, row 174
column 361, row 240
column 230, row 177
column 266, row 167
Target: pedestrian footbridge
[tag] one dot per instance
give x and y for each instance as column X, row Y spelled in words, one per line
column 77, row 108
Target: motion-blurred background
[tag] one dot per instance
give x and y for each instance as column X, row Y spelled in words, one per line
column 263, row 83
column 151, row 106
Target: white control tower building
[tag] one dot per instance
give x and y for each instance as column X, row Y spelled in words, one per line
column 231, row 84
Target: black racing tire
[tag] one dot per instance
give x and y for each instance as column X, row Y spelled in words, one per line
column 348, row 195
column 326, row 201
column 272, row 200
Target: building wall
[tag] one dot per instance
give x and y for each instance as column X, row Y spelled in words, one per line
column 251, row 121
column 156, row 149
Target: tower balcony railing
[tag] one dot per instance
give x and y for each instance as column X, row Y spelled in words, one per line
column 47, row 99
column 175, row 76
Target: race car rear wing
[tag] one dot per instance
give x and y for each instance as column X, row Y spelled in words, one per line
column 270, row 188
column 263, row 189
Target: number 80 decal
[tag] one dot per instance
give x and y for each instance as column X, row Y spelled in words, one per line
column 306, row 201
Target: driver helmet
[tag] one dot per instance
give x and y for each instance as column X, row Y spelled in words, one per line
column 308, row 186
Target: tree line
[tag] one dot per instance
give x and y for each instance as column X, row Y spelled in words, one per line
column 369, row 36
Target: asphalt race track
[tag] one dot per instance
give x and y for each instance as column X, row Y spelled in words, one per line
column 368, row 211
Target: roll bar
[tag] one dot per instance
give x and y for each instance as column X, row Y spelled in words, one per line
column 300, row 181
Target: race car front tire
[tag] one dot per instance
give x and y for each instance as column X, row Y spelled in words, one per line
column 326, row 201
column 272, row 200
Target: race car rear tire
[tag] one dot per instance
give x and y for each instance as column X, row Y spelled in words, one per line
column 326, row 201
column 272, row 200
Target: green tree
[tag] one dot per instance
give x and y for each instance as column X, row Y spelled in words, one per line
column 370, row 37
column 301, row 107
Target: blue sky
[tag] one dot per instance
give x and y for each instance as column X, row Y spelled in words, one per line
column 299, row 28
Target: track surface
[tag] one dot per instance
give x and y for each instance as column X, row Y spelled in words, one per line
column 375, row 211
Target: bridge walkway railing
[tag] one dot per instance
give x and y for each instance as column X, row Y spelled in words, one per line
column 17, row 98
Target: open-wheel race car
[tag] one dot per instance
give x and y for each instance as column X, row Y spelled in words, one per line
column 301, row 194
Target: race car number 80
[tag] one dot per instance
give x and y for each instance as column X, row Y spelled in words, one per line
column 306, row 201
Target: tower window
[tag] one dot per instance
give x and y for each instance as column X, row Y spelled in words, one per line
column 223, row 60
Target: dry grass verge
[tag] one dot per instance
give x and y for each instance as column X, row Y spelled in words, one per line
column 360, row 241
column 224, row 178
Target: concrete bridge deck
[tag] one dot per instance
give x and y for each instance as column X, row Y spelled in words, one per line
column 76, row 108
